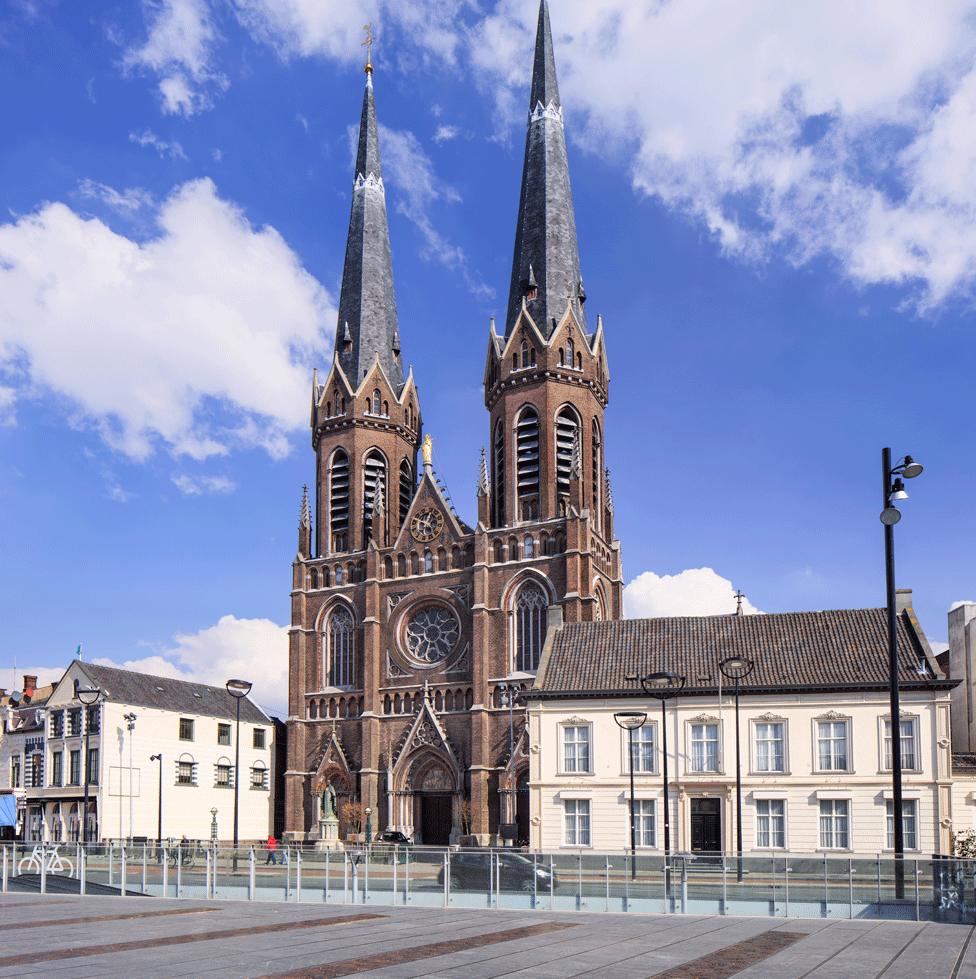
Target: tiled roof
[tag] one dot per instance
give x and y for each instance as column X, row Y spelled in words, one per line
column 790, row 649
column 181, row 696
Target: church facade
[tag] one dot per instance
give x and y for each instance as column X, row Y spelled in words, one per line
column 413, row 632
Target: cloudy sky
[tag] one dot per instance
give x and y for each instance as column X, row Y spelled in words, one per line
column 777, row 213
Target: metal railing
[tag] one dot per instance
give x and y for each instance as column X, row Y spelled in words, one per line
column 786, row 885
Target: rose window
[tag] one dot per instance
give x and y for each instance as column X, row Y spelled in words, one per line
column 432, row 633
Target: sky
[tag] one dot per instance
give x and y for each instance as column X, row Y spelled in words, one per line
column 776, row 207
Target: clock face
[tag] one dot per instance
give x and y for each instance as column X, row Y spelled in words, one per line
column 426, row 525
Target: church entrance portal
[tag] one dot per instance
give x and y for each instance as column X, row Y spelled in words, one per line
column 435, row 819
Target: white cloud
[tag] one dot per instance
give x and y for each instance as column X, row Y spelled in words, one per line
column 12, row 677
column 126, row 201
column 179, row 49
column 417, row 190
column 198, row 485
column 163, row 147
column 8, row 414
column 198, row 339
column 445, row 133
column 695, row 591
column 838, row 130
column 250, row 649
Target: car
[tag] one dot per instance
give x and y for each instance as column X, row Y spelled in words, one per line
column 516, row 872
column 393, row 837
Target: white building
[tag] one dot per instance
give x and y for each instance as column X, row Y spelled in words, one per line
column 815, row 736
column 190, row 726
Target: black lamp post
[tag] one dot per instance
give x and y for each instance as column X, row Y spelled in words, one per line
column 238, row 689
column 737, row 668
column 509, row 694
column 894, row 492
column 89, row 696
column 630, row 721
column 663, row 685
column 159, row 813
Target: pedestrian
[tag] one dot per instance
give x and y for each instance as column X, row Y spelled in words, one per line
column 272, row 847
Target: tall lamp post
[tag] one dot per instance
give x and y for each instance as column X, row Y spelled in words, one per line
column 89, row 696
column 130, row 726
column 238, row 689
column 159, row 813
column 737, row 668
column 509, row 694
column 893, row 478
column 663, row 685
column 631, row 721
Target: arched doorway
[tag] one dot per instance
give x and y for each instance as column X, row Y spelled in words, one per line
column 434, row 792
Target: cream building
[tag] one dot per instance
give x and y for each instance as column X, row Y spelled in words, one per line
column 815, row 736
column 191, row 726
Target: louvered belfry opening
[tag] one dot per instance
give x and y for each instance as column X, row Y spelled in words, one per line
column 406, row 490
column 339, row 502
column 498, row 475
column 597, row 471
column 527, row 463
column 374, row 476
column 567, row 434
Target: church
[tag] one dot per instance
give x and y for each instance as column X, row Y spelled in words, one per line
column 412, row 632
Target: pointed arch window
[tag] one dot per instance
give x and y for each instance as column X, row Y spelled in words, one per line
column 340, row 648
column 596, row 451
column 567, row 433
column 374, row 478
column 531, row 603
column 571, row 351
column 498, row 475
column 528, row 547
column 377, row 406
column 339, row 502
column 335, row 404
column 525, row 354
column 428, row 561
column 527, row 463
column 406, row 489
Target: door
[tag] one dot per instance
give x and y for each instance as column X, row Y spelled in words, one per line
column 706, row 825
column 435, row 819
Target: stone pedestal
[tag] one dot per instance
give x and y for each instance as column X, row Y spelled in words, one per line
column 328, row 835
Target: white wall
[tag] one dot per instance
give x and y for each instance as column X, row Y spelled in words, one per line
column 866, row 784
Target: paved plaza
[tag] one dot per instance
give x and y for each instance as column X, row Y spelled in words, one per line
column 67, row 936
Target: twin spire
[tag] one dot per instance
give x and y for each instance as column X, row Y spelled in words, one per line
column 367, row 329
column 546, row 265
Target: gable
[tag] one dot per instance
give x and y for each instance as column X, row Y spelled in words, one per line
column 429, row 497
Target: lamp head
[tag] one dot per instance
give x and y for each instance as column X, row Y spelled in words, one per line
column 630, row 720
column 736, row 667
column 890, row 516
column 898, row 491
column 87, row 695
column 238, row 688
column 910, row 468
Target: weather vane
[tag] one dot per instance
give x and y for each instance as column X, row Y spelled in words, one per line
column 368, row 45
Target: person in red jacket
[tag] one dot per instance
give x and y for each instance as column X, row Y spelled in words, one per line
column 272, row 847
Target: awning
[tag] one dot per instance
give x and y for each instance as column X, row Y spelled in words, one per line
column 8, row 810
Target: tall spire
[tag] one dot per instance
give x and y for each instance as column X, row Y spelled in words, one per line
column 546, row 266
column 367, row 325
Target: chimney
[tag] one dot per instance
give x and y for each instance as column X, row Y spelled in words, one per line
column 30, row 683
column 962, row 666
column 903, row 599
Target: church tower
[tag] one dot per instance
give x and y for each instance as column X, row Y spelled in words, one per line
column 365, row 417
column 546, row 379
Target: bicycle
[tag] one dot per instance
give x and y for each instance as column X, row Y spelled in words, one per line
column 49, row 862
column 184, row 856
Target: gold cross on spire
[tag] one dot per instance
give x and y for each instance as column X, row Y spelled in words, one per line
column 368, row 45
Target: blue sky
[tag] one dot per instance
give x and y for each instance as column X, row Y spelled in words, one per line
column 776, row 219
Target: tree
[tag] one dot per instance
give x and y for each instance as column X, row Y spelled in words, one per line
column 352, row 815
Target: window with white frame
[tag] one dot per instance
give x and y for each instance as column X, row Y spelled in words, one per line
column 259, row 775
column 909, row 822
column 770, row 746
column 643, row 748
column 771, row 823
column 577, row 818
column 704, row 747
column 645, row 822
column 909, row 744
column 833, row 752
column 835, row 824
column 576, row 748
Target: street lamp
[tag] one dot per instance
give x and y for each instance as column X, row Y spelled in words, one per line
column 630, row 721
column 509, row 694
column 89, row 696
column 159, row 814
column 893, row 486
column 130, row 725
column 369, row 825
column 663, row 685
column 737, row 668
column 238, row 689
column 213, row 826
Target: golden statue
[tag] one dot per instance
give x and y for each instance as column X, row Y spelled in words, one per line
column 427, row 451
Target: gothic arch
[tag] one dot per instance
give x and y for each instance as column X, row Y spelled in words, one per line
column 526, row 600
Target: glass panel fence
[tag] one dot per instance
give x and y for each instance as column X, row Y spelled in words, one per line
column 429, row 878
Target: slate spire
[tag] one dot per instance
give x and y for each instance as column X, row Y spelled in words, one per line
column 367, row 302
column 546, row 266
